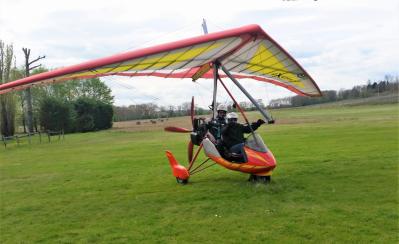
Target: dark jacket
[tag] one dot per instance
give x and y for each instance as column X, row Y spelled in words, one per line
column 233, row 133
column 215, row 127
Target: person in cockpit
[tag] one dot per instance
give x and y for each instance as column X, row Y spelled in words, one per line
column 215, row 125
column 233, row 134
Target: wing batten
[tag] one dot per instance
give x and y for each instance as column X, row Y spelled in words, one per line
column 216, row 54
column 187, row 61
column 199, row 62
column 246, row 51
column 190, row 61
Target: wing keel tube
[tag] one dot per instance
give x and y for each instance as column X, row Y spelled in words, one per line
column 179, row 171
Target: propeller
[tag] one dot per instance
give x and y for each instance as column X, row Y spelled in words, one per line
column 190, row 146
column 190, row 150
column 177, row 129
column 192, row 111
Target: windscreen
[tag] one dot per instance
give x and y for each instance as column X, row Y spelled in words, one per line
column 255, row 142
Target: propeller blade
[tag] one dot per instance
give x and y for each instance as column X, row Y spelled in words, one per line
column 190, row 149
column 177, row 129
column 192, row 111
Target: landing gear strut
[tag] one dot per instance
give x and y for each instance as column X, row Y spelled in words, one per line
column 259, row 178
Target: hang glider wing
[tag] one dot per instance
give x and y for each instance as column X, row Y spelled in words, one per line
column 247, row 52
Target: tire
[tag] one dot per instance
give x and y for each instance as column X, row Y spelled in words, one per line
column 259, row 179
column 181, row 181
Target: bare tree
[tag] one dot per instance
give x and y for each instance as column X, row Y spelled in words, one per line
column 28, row 99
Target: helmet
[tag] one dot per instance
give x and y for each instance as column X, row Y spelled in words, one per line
column 232, row 115
column 221, row 107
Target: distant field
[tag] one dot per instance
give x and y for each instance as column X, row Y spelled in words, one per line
column 336, row 181
column 283, row 116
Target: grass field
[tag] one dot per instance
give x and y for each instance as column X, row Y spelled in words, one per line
column 336, row 181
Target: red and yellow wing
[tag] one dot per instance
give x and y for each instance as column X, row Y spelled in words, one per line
column 247, row 52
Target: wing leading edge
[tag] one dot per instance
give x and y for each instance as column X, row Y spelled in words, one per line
column 247, row 52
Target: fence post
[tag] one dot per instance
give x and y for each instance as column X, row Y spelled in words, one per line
column 4, row 140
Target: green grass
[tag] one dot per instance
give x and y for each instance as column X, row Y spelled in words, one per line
column 336, row 181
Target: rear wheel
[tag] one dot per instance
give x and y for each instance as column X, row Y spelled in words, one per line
column 260, row 178
column 181, row 181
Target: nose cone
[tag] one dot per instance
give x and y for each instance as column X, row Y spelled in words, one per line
column 271, row 161
column 178, row 170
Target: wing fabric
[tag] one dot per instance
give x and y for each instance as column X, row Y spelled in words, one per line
column 247, row 52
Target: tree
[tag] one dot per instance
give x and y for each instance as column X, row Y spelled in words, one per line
column 71, row 90
column 56, row 114
column 92, row 114
column 95, row 89
column 92, row 88
column 28, row 99
column 103, row 116
column 85, row 110
column 7, row 101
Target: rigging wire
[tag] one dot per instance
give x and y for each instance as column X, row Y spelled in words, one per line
column 198, row 95
column 128, row 86
column 159, row 37
column 184, row 28
column 163, row 36
column 207, row 89
column 119, row 83
column 268, row 98
column 217, row 26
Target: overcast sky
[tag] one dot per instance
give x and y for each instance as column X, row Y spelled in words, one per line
column 340, row 43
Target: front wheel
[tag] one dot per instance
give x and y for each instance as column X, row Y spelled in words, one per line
column 181, row 181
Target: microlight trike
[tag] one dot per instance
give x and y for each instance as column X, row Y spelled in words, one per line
column 241, row 53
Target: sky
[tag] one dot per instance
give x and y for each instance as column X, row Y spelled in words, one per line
column 339, row 43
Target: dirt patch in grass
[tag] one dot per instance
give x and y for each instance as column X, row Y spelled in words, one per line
column 152, row 124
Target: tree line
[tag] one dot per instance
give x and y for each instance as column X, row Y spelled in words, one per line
column 72, row 106
column 389, row 85
column 153, row 111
